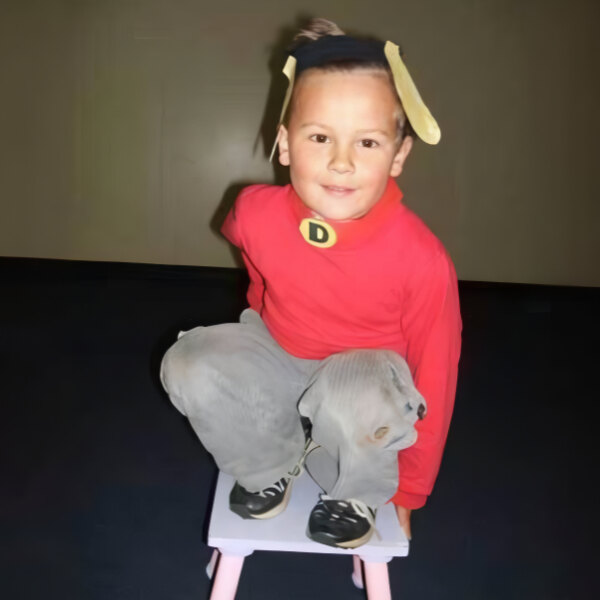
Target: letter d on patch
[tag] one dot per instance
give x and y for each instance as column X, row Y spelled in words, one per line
column 318, row 233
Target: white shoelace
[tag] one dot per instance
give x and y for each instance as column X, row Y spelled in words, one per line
column 279, row 486
column 299, row 468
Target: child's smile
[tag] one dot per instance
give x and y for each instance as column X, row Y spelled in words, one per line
column 342, row 141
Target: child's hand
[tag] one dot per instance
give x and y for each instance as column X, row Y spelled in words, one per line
column 404, row 518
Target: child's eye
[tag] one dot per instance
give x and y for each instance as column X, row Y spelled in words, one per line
column 319, row 138
column 368, row 143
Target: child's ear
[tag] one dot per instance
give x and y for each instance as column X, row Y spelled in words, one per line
column 284, row 148
column 403, row 152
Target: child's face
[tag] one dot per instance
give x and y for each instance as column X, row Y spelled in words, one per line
column 341, row 142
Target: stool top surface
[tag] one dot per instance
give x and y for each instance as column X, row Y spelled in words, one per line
column 287, row 531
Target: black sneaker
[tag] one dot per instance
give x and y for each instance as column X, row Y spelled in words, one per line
column 271, row 501
column 341, row 523
column 266, row 504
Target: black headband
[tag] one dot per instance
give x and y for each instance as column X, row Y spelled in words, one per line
column 337, row 48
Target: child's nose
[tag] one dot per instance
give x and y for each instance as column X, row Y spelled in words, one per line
column 341, row 161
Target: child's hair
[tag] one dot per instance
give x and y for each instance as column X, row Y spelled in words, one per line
column 317, row 28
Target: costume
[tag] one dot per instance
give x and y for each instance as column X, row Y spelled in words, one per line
column 387, row 283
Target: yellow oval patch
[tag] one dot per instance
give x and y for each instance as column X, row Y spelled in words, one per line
column 318, row 233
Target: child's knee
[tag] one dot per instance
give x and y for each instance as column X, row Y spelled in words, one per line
column 182, row 363
column 200, row 366
column 172, row 368
column 168, row 368
column 370, row 393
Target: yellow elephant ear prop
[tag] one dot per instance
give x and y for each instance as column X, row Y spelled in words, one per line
column 331, row 49
column 289, row 70
column 421, row 120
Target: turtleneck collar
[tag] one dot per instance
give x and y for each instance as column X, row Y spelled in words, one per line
column 346, row 233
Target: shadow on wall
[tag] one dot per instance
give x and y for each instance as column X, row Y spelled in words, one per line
column 279, row 51
column 267, row 130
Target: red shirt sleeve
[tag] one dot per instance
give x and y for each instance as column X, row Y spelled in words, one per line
column 432, row 326
column 231, row 226
column 233, row 229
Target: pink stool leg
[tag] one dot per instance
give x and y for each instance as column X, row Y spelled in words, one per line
column 212, row 563
column 357, row 576
column 228, row 575
column 378, row 581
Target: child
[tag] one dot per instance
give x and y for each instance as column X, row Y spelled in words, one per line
column 351, row 297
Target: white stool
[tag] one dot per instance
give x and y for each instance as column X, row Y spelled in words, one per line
column 235, row 538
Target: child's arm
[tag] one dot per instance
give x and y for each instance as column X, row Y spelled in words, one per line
column 432, row 326
column 404, row 518
column 233, row 230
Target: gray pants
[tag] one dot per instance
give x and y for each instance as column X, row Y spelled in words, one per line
column 243, row 395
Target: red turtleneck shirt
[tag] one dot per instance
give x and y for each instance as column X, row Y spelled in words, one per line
column 387, row 282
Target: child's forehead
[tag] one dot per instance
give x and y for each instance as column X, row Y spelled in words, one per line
column 361, row 90
column 373, row 82
column 363, row 74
